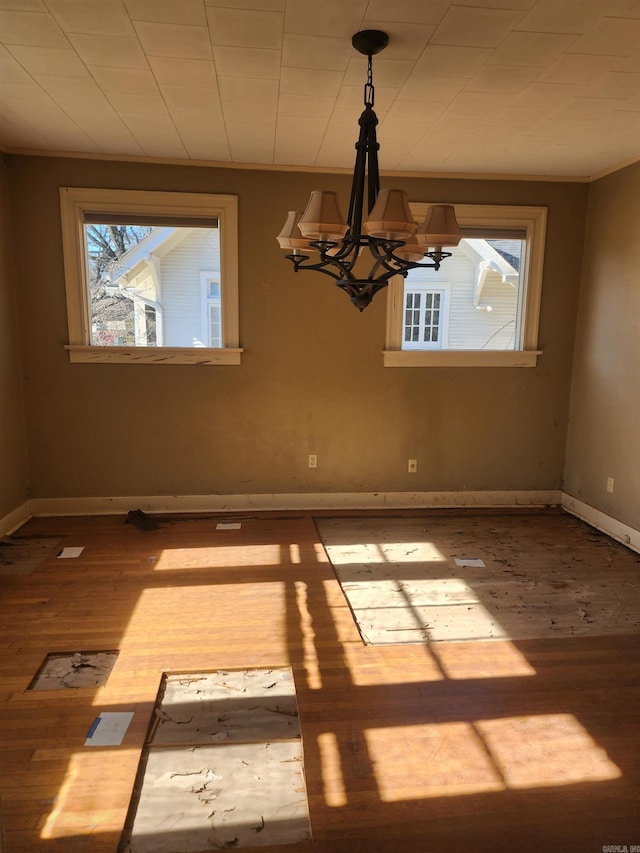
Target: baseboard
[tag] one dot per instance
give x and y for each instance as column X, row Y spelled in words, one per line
column 16, row 518
column 309, row 501
column 629, row 536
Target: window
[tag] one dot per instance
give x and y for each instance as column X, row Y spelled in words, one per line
column 482, row 307
column 151, row 277
column 426, row 316
column 211, row 309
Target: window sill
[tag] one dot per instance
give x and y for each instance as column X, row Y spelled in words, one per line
column 460, row 358
column 153, row 355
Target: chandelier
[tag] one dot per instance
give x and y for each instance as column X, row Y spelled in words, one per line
column 394, row 240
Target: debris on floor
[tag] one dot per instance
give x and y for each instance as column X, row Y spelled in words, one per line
column 228, row 706
column 22, row 556
column 214, row 797
column 141, row 520
column 74, row 670
column 406, row 584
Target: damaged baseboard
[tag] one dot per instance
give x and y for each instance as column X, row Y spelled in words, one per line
column 617, row 530
column 302, row 501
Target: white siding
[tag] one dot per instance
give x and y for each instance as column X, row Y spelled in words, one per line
column 495, row 329
column 181, row 286
column 471, row 328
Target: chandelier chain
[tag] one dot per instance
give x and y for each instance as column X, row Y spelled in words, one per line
column 369, row 91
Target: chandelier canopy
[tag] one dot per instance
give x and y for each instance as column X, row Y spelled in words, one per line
column 388, row 231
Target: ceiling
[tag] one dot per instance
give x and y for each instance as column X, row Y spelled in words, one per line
column 518, row 87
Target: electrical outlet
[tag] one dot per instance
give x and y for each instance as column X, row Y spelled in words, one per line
column 313, row 460
column 609, row 484
column 413, row 466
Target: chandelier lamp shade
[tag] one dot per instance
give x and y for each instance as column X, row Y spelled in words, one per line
column 321, row 239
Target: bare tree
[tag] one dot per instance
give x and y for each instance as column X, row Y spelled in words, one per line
column 111, row 310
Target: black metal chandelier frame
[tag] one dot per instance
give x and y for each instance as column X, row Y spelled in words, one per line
column 338, row 257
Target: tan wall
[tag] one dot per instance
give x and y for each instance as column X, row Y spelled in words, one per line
column 604, row 428
column 13, row 448
column 312, row 379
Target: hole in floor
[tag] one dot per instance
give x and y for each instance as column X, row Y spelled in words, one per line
column 74, row 670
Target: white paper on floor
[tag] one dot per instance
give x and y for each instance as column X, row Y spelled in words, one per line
column 70, row 552
column 109, row 728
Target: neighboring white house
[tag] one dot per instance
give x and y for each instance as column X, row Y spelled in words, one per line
column 172, row 278
column 470, row 303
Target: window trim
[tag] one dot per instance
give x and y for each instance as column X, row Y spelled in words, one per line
column 74, row 201
column 534, row 221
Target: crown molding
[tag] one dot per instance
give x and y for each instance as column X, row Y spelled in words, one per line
column 310, row 170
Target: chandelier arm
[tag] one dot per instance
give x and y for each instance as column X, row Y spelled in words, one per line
column 383, row 251
column 344, row 256
column 337, row 262
column 297, row 261
column 436, row 257
column 390, row 271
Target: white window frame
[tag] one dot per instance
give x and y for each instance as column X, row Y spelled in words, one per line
column 533, row 220
column 74, row 201
column 444, row 288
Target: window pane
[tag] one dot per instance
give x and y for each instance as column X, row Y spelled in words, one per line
column 412, row 317
column 145, row 283
column 215, row 326
column 473, row 301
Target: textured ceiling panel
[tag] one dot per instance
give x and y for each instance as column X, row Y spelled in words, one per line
column 531, row 87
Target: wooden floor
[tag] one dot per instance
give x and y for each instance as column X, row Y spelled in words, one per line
column 527, row 745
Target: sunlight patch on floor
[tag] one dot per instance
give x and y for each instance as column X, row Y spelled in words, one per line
column 437, row 760
column 310, row 655
column 546, row 749
column 335, row 794
column 88, row 800
column 480, row 660
column 219, row 556
column 453, row 759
